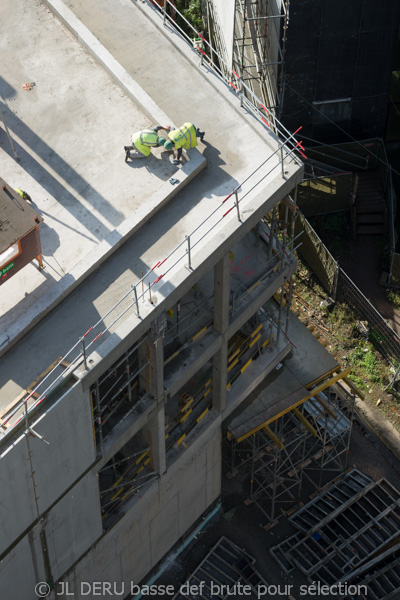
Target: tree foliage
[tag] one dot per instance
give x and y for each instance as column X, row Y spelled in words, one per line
column 191, row 10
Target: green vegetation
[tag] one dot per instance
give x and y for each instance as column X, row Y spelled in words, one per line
column 191, row 10
column 393, row 298
column 346, row 341
column 368, row 365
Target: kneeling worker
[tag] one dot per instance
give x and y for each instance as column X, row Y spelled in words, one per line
column 24, row 195
column 143, row 141
column 183, row 137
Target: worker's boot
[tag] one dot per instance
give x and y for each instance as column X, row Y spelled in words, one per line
column 127, row 153
column 202, row 136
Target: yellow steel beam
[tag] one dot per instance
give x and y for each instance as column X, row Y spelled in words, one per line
column 181, row 439
column 257, row 330
column 354, row 388
column 255, row 340
column 322, row 377
column 235, row 362
column 198, row 334
column 232, row 356
column 273, row 437
column 303, row 420
column 312, row 393
column 185, row 416
column 203, row 414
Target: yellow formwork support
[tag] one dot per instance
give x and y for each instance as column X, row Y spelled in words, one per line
column 185, row 416
column 257, row 330
column 181, row 439
column 203, row 414
column 246, row 365
column 232, row 356
column 312, row 393
column 321, row 377
column 255, row 340
column 354, row 388
column 273, row 437
column 235, row 362
column 198, row 334
column 303, row 420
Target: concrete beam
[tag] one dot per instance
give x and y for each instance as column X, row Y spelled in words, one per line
column 261, row 294
column 254, row 375
column 202, row 352
column 156, row 430
column 221, row 322
column 129, row 426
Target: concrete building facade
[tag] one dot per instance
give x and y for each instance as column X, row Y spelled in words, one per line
column 117, row 456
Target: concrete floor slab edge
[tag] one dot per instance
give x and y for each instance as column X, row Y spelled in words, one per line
column 102, row 252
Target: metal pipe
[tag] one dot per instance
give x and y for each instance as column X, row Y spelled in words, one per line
column 98, row 418
column 188, row 253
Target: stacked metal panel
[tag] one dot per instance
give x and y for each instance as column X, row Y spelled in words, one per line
column 349, row 534
column 226, row 569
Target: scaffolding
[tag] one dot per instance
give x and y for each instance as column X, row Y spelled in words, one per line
column 259, row 45
column 308, row 443
column 225, row 570
column 114, row 393
column 348, row 535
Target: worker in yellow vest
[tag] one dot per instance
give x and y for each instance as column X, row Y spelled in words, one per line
column 183, row 137
column 143, row 141
column 24, row 195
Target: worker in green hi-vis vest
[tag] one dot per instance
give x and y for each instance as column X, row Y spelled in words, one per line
column 24, row 195
column 143, row 141
column 183, row 137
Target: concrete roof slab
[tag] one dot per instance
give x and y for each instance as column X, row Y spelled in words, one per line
column 68, row 132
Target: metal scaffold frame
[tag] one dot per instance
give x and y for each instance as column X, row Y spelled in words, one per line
column 259, row 45
column 308, row 442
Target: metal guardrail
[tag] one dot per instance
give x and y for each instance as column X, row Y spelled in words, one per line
column 230, row 77
column 381, row 335
column 178, row 255
column 287, row 145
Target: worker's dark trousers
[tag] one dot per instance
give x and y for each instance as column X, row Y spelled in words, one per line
column 198, row 134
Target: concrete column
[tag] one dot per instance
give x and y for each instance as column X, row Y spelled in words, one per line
column 221, row 322
column 156, row 429
column 151, row 378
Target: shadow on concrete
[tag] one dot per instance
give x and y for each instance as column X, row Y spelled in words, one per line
column 159, row 164
column 49, row 238
column 56, row 162
column 50, row 218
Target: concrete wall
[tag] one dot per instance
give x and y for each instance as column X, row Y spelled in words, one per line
column 33, row 475
column 156, row 521
column 226, row 16
column 55, row 543
column 68, row 428
column 17, row 506
column 73, row 524
column 22, row 568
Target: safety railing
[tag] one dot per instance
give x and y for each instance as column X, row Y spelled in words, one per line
column 230, row 77
column 285, row 151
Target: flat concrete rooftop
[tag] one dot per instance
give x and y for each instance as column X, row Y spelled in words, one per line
column 80, row 167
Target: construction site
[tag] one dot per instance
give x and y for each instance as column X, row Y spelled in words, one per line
column 168, row 425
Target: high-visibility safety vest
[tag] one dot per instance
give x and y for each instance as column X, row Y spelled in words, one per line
column 20, row 192
column 144, row 140
column 184, row 137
